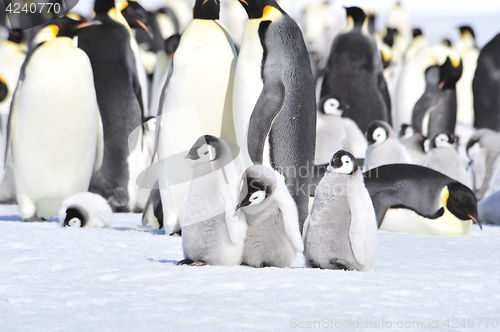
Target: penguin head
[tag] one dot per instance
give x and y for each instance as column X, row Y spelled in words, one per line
column 460, row 201
column 135, row 15
column 206, row 149
column 4, row 90
column 343, row 162
column 417, row 32
column 103, row 6
column 260, row 8
column 171, row 43
column 378, row 132
column 257, row 184
column 446, row 42
column 390, row 36
column 355, row 17
column 406, row 131
column 60, row 27
column 75, row 217
column 466, row 31
column 443, row 140
column 450, row 72
column 332, row 106
column 206, row 10
column 16, row 36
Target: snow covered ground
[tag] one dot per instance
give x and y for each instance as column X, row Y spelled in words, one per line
column 126, row 279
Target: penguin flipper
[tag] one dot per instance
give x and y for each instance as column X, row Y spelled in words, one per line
column 290, row 215
column 382, row 201
column 232, row 217
column 266, row 109
column 160, row 112
column 99, row 154
column 12, row 120
column 382, row 85
column 361, row 215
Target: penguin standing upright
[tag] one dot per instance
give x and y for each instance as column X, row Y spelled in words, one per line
column 485, row 87
column 413, row 142
column 55, row 130
column 212, row 231
column 384, row 147
column 417, row 199
column 355, row 74
column 466, row 48
column 274, row 99
column 198, row 101
column 107, row 43
column 341, row 230
column 439, row 113
column 273, row 235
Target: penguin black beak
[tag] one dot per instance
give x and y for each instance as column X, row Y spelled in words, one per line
column 477, row 221
column 193, row 155
column 238, row 206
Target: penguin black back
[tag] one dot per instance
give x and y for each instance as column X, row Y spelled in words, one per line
column 486, row 85
column 355, row 71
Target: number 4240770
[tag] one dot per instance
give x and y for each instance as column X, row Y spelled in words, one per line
column 471, row 323
column 33, row 8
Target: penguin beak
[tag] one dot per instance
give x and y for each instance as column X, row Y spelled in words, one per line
column 476, row 221
column 141, row 23
column 192, row 155
column 238, row 206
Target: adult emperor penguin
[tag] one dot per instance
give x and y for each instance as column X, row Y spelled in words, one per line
column 414, row 143
column 197, row 101
column 273, row 236
column 411, row 85
column 333, row 132
column 212, row 231
column 85, row 209
column 483, row 149
column 438, row 114
column 417, row 199
column 55, row 130
column 340, row 231
column 107, row 43
column 384, row 147
column 443, row 157
column 274, row 98
column 486, row 85
column 354, row 73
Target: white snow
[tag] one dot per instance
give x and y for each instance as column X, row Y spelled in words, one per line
column 126, row 279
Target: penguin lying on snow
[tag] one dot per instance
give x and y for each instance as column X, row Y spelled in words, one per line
column 273, row 235
column 383, row 146
column 85, row 210
column 212, row 232
column 340, row 231
column 417, row 199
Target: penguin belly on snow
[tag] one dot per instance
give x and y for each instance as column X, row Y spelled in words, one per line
column 341, row 230
column 85, row 209
column 273, row 236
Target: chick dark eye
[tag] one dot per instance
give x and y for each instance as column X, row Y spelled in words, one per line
column 206, row 153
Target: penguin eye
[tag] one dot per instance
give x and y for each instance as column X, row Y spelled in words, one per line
column 206, row 152
column 257, row 197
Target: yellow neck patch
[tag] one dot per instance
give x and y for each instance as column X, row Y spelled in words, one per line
column 455, row 62
column 2, row 79
column 122, row 5
column 47, row 33
column 445, row 194
column 270, row 13
column 350, row 23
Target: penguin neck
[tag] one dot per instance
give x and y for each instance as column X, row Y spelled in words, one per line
column 206, row 10
column 103, row 6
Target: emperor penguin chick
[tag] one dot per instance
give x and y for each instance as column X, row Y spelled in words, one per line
column 85, row 209
column 384, row 147
column 340, row 231
column 273, row 235
column 212, row 231
column 443, row 157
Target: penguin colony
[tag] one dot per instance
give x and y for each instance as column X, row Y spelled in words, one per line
column 224, row 134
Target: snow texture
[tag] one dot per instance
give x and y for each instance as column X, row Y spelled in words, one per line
column 125, row 278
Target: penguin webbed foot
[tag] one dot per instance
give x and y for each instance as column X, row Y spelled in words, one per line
column 339, row 264
column 190, row 262
column 34, row 219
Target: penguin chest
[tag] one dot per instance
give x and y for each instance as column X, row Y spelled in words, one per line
column 248, row 82
column 201, row 81
column 330, row 137
column 408, row 221
column 55, row 133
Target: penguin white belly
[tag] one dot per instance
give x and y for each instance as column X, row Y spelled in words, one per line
column 465, row 101
column 408, row 221
column 12, row 58
column 247, row 84
column 197, row 103
column 55, row 134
